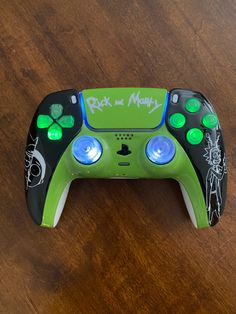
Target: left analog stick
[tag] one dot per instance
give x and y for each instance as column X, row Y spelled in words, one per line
column 87, row 150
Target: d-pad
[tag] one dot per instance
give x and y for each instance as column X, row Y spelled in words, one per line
column 55, row 122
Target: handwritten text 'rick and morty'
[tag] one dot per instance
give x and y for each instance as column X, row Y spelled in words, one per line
column 134, row 100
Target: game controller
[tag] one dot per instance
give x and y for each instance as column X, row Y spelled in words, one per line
column 126, row 133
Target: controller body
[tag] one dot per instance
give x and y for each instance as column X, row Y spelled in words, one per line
column 126, row 133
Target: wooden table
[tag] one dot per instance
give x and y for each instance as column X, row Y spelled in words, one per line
column 120, row 246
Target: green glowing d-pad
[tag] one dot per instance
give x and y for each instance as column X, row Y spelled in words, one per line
column 55, row 122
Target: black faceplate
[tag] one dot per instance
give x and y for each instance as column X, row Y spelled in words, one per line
column 208, row 157
column 43, row 154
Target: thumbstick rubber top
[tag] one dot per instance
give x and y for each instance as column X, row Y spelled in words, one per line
column 87, row 150
column 160, row 150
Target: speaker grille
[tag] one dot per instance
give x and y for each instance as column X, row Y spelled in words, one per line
column 124, row 136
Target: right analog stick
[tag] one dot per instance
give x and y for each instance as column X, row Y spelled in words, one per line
column 160, row 150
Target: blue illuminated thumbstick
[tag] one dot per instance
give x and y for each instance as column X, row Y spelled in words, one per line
column 87, row 150
column 160, row 149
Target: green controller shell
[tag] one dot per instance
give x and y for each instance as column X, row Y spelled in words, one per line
column 180, row 169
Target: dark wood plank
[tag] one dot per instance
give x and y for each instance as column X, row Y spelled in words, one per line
column 121, row 246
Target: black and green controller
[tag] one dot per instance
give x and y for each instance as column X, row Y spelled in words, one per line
column 126, row 133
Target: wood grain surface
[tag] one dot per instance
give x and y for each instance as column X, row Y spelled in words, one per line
column 121, row 246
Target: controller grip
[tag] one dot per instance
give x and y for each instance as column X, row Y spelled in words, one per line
column 204, row 202
column 195, row 205
column 46, row 200
column 192, row 192
column 56, row 196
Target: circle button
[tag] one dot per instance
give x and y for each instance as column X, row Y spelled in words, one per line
column 210, row 120
column 194, row 136
column 177, row 120
column 87, row 150
column 193, row 105
column 160, row 150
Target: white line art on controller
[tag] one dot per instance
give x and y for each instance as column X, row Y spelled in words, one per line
column 35, row 166
column 214, row 177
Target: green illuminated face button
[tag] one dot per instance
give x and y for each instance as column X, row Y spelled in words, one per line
column 56, row 110
column 210, row 120
column 55, row 132
column 194, row 136
column 177, row 120
column 44, row 121
column 66, row 121
column 193, row 105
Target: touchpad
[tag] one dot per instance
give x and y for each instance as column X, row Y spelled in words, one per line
column 124, row 108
